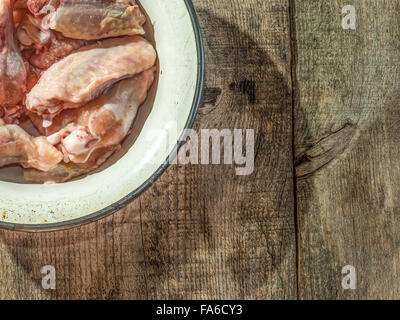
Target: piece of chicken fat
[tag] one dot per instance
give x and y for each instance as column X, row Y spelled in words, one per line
column 85, row 134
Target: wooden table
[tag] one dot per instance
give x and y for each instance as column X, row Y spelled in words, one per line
column 325, row 106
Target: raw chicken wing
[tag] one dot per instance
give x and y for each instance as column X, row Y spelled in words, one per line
column 91, row 19
column 103, row 123
column 17, row 146
column 84, row 75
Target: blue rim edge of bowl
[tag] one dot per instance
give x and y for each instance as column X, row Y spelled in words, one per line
column 100, row 214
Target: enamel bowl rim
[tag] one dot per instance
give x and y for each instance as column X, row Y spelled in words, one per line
column 109, row 210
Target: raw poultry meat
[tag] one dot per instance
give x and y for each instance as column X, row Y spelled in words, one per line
column 105, row 123
column 58, row 48
column 36, row 5
column 43, row 47
column 84, row 75
column 82, row 95
column 17, row 146
column 12, row 67
column 101, row 124
column 11, row 115
column 108, row 18
column 30, row 31
column 20, row 4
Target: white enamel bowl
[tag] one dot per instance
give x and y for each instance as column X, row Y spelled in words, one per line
column 35, row 207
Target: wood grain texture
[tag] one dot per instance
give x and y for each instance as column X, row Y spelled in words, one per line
column 347, row 148
column 200, row 231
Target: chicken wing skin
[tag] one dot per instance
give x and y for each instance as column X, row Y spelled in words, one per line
column 12, row 67
column 84, row 75
column 17, row 146
column 108, row 18
column 85, row 134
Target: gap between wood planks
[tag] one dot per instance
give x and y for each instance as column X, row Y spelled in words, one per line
column 293, row 63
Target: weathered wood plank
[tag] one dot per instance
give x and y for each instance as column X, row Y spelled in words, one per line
column 200, row 231
column 347, row 148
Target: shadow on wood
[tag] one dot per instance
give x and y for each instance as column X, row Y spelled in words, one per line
column 200, row 231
